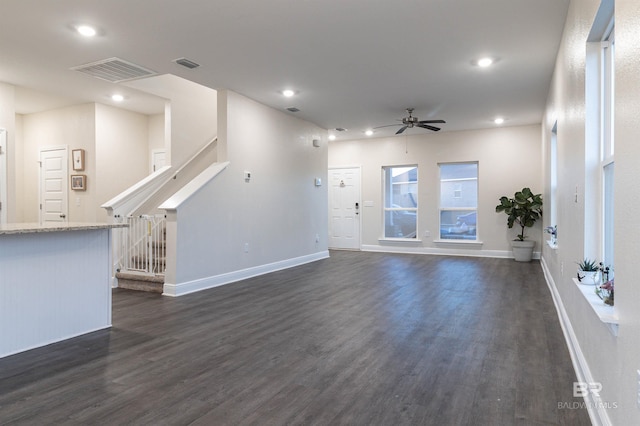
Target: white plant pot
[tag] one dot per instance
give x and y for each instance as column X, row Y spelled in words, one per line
column 522, row 250
column 589, row 277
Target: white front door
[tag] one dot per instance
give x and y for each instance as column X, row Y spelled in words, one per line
column 344, row 208
column 158, row 159
column 3, row 176
column 54, row 185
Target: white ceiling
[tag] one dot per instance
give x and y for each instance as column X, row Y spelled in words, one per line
column 354, row 63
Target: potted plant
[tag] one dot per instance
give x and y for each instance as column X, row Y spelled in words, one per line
column 606, row 290
column 588, row 271
column 523, row 209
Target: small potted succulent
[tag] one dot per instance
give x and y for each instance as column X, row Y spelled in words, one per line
column 589, row 271
column 523, row 209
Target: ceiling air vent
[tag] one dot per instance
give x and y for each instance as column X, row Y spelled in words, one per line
column 340, row 129
column 186, row 63
column 293, row 109
column 115, row 70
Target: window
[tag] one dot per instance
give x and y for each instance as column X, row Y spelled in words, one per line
column 400, row 201
column 599, row 137
column 458, row 201
column 607, row 144
column 553, row 175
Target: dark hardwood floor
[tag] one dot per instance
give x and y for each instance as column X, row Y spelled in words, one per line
column 357, row 339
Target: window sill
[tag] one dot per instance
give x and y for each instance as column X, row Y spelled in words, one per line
column 396, row 241
column 606, row 313
column 474, row 243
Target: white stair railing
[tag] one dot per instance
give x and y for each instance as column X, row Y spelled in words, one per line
column 142, row 244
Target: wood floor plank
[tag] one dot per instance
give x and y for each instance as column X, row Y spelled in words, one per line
column 356, row 339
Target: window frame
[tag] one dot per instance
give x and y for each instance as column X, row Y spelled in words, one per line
column 386, row 179
column 607, row 144
column 475, row 209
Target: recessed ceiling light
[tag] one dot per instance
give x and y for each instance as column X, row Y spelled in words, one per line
column 485, row 62
column 332, row 137
column 287, row 93
column 499, row 120
column 117, row 98
column 86, row 30
column 368, row 132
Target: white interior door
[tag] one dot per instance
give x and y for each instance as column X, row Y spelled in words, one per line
column 54, row 188
column 344, row 208
column 3, row 176
column 158, row 159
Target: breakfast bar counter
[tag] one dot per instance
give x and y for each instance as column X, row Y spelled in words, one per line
column 55, row 282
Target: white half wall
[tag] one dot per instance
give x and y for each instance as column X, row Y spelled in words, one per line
column 275, row 219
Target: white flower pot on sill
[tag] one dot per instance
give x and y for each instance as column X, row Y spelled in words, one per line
column 589, row 277
column 522, row 250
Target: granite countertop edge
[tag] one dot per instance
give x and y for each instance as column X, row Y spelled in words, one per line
column 31, row 228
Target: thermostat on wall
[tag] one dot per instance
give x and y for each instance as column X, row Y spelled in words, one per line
column 318, row 181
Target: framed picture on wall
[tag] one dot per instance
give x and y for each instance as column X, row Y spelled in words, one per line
column 79, row 182
column 78, row 159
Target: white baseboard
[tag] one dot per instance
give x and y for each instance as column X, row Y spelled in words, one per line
column 593, row 402
column 180, row 289
column 455, row 249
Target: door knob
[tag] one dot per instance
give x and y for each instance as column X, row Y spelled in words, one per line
column 63, row 216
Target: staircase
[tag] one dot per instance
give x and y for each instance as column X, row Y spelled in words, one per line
column 144, row 248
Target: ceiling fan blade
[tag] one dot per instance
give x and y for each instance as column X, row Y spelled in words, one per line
column 402, row 129
column 431, row 121
column 388, row 125
column 426, row 126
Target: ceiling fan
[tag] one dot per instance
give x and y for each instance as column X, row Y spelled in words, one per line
column 411, row 122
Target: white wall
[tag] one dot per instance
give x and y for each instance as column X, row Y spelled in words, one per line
column 74, row 127
column 611, row 360
column 192, row 114
column 508, row 159
column 116, row 155
column 122, row 153
column 277, row 213
column 7, row 121
column 156, row 131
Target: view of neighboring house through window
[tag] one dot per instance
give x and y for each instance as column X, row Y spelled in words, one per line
column 400, row 201
column 458, row 201
column 607, row 143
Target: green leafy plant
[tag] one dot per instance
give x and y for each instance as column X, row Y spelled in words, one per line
column 524, row 209
column 589, row 265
